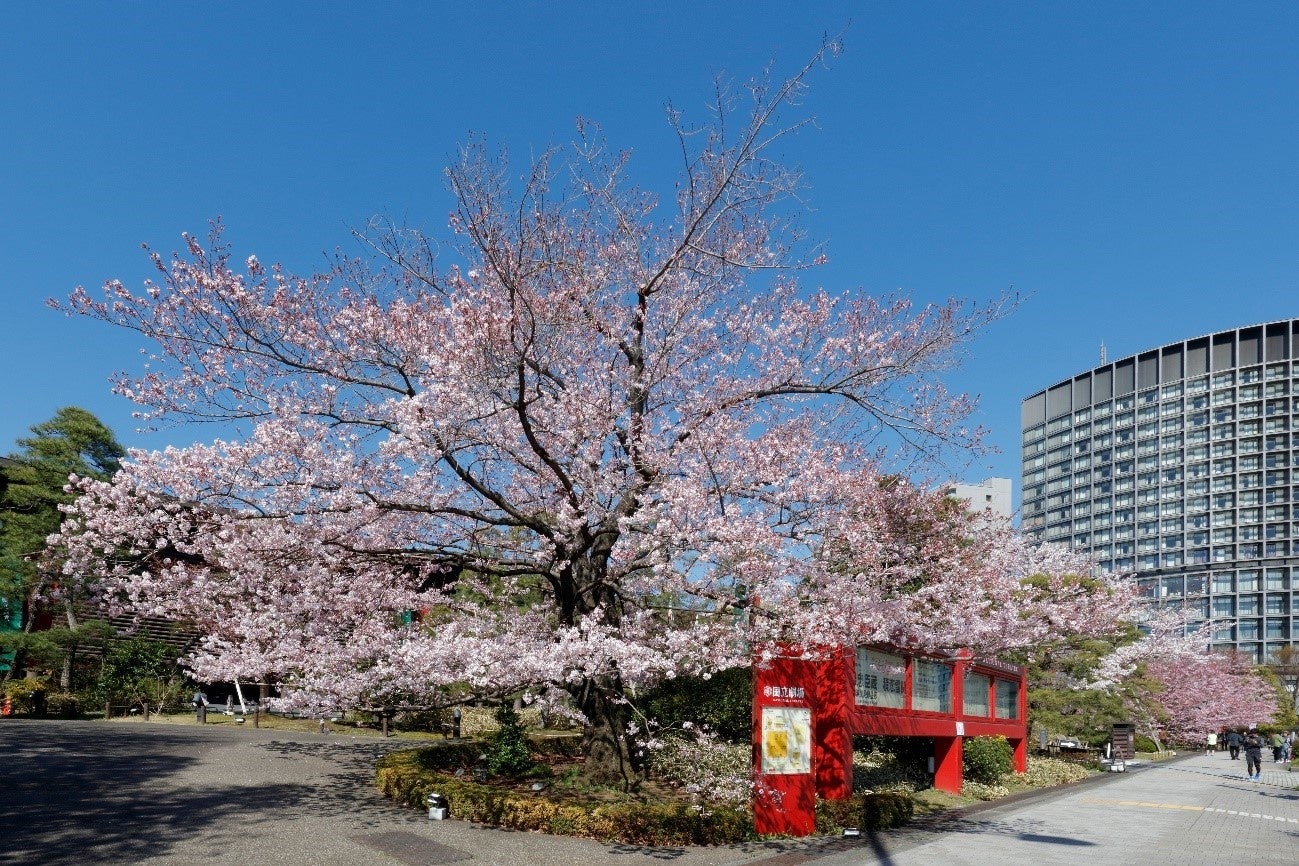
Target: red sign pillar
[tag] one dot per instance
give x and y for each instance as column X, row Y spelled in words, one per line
column 783, row 729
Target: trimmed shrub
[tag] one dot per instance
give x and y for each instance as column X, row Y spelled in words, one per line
column 26, row 696
column 877, row 811
column 508, row 753
column 987, row 760
column 62, row 704
column 1046, row 772
column 886, row 809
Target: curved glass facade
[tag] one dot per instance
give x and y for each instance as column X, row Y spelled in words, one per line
column 1176, row 465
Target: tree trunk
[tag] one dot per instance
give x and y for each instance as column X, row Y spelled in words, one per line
column 65, row 674
column 610, row 755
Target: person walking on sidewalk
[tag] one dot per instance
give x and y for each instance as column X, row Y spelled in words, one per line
column 1276, row 747
column 1233, row 744
column 1253, row 756
column 1211, row 743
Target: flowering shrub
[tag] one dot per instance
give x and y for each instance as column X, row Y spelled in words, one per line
column 711, row 771
column 1044, row 772
column 26, row 696
column 980, row 791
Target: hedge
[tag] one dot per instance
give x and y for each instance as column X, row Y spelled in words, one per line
column 877, row 811
column 410, row 776
column 405, row 777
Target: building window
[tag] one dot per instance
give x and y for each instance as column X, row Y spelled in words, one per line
column 1007, row 699
column 977, row 687
column 931, row 686
column 880, row 678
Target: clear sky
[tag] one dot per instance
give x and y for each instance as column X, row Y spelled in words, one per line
column 1132, row 168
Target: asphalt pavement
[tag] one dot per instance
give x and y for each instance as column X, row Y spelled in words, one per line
column 92, row 792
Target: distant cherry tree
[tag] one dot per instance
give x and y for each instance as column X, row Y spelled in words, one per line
column 589, row 441
column 1175, row 688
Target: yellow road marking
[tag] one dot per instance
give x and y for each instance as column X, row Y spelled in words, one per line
column 1183, row 807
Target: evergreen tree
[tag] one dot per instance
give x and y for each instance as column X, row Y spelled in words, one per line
column 32, row 482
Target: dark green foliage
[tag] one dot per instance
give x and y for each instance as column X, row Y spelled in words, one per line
column 899, row 761
column 1142, row 743
column 877, row 811
column 141, row 671
column 444, row 756
column 987, row 760
column 723, row 703
column 72, row 442
column 508, row 753
column 32, row 482
column 1056, row 701
column 46, row 650
column 886, row 809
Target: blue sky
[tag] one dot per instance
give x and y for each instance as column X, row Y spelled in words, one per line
column 1131, row 168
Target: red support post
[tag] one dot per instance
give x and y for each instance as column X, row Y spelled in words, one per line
column 1021, row 754
column 832, row 743
column 947, row 764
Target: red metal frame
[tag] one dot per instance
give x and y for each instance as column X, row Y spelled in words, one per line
column 825, row 685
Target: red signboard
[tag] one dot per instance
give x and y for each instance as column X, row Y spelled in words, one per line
column 808, row 707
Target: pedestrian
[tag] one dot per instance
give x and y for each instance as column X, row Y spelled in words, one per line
column 1276, row 747
column 1253, row 756
column 1233, row 744
column 1211, row 743
column 1287, row 747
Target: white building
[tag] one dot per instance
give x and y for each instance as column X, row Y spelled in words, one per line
column 990, row 495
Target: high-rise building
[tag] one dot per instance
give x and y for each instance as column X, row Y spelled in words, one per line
column 1174, row 465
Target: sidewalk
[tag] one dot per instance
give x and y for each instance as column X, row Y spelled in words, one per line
column 1194, row 810
column 164, row 795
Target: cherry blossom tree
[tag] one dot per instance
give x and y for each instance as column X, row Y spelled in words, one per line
column 593, row 439
column 1176, row 688
column 1208, row 692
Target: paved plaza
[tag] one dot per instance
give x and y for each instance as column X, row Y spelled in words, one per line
column 1193, row 810
column 90, row 792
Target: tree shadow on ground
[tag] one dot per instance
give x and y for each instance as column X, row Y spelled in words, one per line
column 77, row 793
